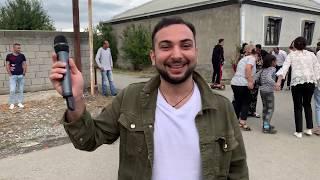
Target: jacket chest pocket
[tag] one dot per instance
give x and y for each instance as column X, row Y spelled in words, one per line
column 224, row 147
column 132, row 135
column 217, row 155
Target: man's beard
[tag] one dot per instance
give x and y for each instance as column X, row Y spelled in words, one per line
column 171, row 80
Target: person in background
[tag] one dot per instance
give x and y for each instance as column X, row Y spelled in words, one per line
column 318, row 47
column 241, row 83
column 281, row 56
column 217, row 62
column 260, row 54
column 267, row 77
column 304, row 76
column 239, row 56
column 261, row 51
column 171, row 127
column 16, row 67
column 316, row 96
column 291, row 48
column 105, row 64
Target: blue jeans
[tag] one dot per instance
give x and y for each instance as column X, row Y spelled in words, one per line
column 317, row 105
column 108, row 75
column 16, row 82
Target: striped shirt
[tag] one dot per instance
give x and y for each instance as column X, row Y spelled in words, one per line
column 267, row 79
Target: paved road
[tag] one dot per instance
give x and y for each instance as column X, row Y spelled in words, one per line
column 270, row 157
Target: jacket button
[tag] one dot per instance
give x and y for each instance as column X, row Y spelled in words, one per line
column 225, row 146
column 150, row 126
column 81, row 139
column 132, row 126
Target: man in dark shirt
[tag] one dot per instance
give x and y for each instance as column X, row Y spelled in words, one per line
column 261, row 51
column 16, row 67
column 217, row 61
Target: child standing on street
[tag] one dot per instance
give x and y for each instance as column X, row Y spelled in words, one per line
column 266, row 77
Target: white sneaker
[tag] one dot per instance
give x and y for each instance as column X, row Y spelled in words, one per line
column 308, row 132
column 298, row 135
column 11, row 106
column 21, row 105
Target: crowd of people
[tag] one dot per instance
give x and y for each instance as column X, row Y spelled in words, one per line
column 259, row 70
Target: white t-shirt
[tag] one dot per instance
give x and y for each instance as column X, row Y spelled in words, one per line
column 239, row 78
column 280, row 57
column 104, row 59
column 176, row 140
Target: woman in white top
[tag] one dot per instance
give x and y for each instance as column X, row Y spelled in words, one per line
column 305, row 73
column 241, row 83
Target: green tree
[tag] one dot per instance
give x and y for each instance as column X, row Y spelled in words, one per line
column 24, row 15
column 137, row 45
column 104, row 32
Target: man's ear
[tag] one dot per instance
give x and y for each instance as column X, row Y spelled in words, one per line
column 152, row 57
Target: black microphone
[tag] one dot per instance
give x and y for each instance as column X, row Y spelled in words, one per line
column 62, row 50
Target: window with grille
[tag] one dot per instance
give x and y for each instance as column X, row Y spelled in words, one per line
column 272, row 30
column 307, row 30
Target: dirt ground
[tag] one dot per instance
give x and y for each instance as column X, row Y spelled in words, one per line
column 37, row 126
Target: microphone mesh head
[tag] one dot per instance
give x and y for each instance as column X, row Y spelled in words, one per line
column 60, row 43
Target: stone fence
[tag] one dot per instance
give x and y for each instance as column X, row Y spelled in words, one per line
column 38, row 47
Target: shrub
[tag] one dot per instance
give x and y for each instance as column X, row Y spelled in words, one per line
column 137, row 45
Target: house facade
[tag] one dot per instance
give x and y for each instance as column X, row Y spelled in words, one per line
column 278, row 23
column 271, row 23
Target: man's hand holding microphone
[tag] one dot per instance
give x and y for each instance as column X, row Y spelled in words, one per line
column 67, row 79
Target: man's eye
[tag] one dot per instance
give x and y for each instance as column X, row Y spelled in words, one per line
column 164, row 46
column 188, row 45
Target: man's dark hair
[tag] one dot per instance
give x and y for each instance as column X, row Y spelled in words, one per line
column 267, row 60
column 244, row 45
column 258, row 46
column 16, row 44
column 318, row 47
column 165, row 22
column 220, row 40
column 300, row 43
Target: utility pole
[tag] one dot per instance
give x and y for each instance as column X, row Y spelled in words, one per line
column 76, row 31
column 91, row 46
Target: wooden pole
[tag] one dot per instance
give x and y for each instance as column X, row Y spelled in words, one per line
column 91, row 46
column 76, row 31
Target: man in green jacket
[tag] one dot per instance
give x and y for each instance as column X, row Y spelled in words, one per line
column 172, row 127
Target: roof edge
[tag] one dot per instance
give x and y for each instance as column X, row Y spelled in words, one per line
column 154, row 13
column 286, row 5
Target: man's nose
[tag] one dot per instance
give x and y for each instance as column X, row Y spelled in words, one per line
column 176, row 52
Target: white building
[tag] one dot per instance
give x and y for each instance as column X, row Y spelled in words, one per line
column 267, row 22
column 278, row 22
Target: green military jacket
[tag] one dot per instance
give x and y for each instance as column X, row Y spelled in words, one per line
column 131, row 117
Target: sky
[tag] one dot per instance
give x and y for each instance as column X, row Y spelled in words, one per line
column 60, row 11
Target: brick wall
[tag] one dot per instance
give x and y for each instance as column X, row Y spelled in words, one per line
column 38, row 47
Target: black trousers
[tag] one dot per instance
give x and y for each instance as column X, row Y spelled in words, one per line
column 289, row 77
column 302, row 95
column 216, row 73
column 241, row 101
column 284, row 78
column 253, row 99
